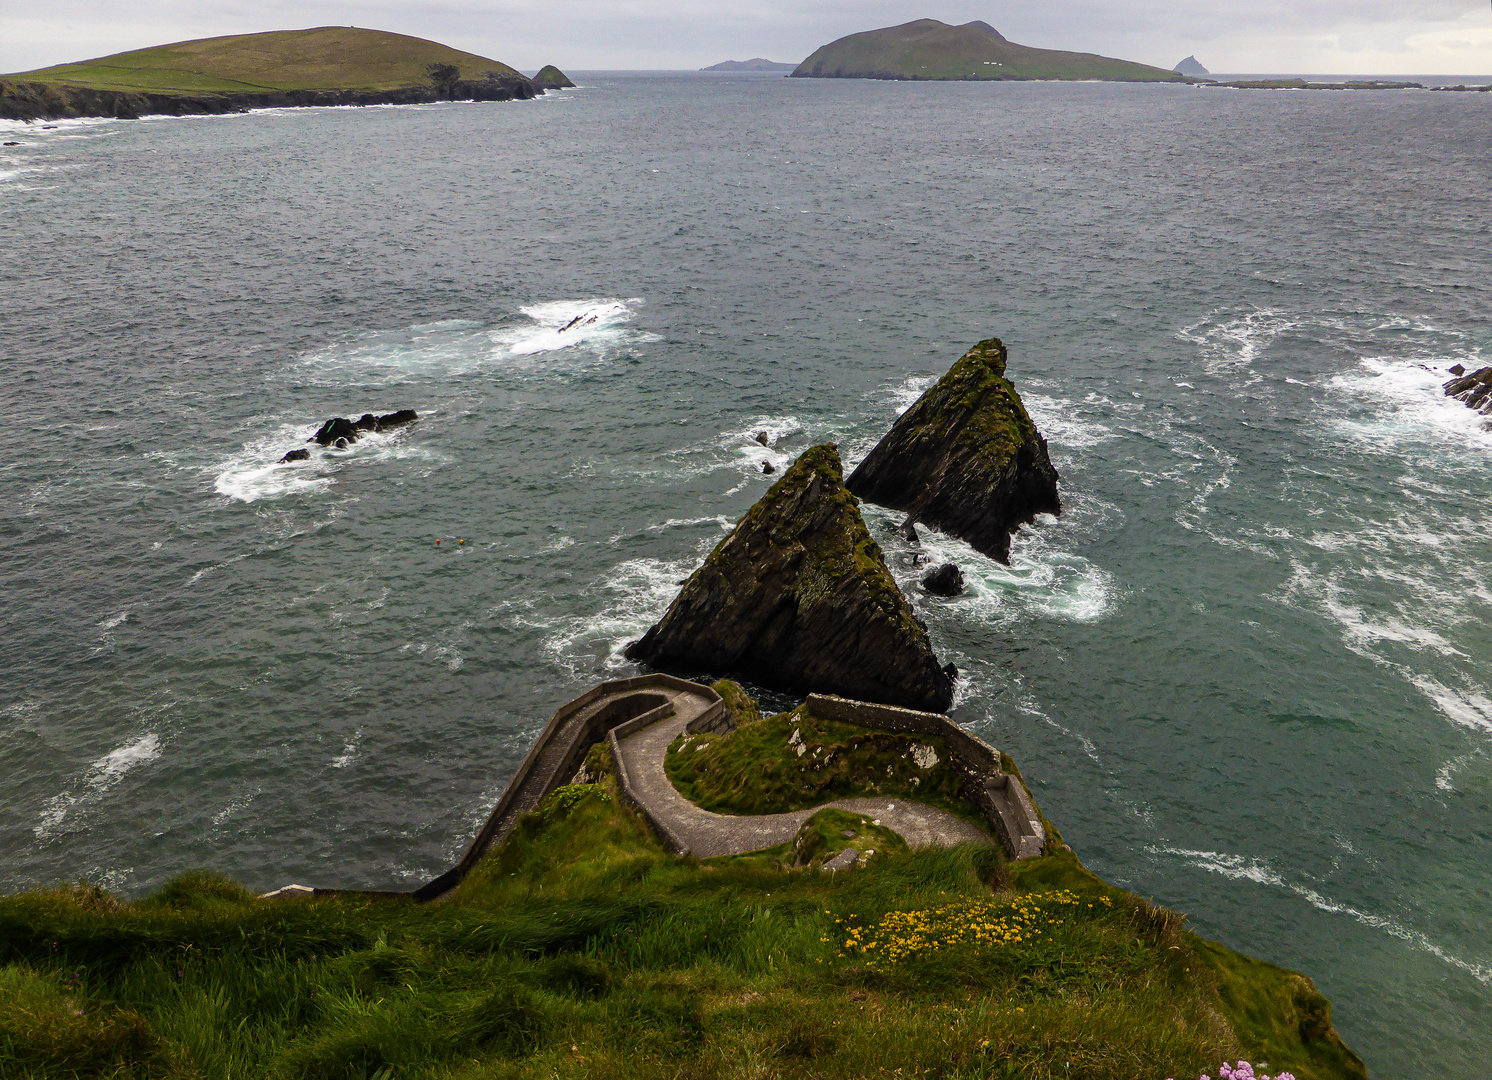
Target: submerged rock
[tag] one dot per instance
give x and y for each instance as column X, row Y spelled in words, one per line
column 761, row 437
column 1457, row 369
column 798, row 598
column 339, row 428
column 768, row 468
column 1474, row 389
column 966, row 458
column 297, row 455
column 907, row 530
column 946, row 580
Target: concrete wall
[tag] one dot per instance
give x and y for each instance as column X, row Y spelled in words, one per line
column 1001, row 796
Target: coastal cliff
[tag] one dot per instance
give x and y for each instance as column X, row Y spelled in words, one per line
column 329, row 65
column 798, row 598
column 966, row 458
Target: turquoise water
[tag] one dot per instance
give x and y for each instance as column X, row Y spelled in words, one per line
column 1246, row 671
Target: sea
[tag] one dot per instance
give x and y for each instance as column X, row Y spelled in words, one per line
column 1246, row 671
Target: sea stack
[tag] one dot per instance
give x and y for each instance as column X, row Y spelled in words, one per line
column 551, row 78
column 966, row 458
column 798, row 598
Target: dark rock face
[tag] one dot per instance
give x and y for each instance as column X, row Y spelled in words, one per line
column 551, row 78
column 54, row 101
column 946, row 580
column 1456, row 369
column 965, row 458
column 907, row 530
column 798, row 598
column 297, row 455
column 768, row 468
column 341, row 431
column 1474, row 389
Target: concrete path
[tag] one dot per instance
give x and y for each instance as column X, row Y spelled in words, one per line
column 708, row 834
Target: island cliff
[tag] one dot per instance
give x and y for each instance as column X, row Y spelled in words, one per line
column 798, row 598
column 965, row 458
column 328, row 65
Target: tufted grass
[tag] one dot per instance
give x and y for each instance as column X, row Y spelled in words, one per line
column 581, row 949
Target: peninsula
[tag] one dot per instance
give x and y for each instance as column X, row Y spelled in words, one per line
column 974, row 51
column 328, row 65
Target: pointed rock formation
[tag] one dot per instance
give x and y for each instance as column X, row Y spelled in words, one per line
column 965, row 458
column 798, row 598
column 551, row 78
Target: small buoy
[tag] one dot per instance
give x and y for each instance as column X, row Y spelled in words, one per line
column 437, row 543
column 460, row 541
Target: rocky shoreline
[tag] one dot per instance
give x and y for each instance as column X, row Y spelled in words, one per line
column 30, row 101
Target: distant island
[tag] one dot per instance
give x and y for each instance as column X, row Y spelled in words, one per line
column 327, row 65
column 552, row 78
column 929, row 49
column 754, row 64
column 1191, row 66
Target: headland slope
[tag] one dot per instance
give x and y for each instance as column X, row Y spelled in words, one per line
column 326, row 65
column 974, row 51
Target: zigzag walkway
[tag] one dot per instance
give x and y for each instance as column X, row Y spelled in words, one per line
column 703, row 834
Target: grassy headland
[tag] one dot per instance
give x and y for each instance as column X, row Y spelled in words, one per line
column 929, row 49
column 582, row 949
column 278, row 67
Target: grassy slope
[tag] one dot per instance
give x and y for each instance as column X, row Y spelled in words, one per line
column 928, row 49
column 755, row 770
column 581, row 949
column 325, row 58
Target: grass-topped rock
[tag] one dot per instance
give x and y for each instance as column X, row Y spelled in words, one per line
column 966, row 458
column 552, row 78
column 798, row 598
column 796, row 760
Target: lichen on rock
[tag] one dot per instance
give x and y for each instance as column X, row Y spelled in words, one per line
column 966, row 458
column 798, row 598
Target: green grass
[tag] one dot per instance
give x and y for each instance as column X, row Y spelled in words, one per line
column 324, row 58
column 757, row 770
column 581, row 949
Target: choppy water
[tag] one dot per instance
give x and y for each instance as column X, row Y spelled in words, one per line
column 1247, row 672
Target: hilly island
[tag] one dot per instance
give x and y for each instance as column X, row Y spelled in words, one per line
column 327, row 65
column 675, row 884
column 974, row 51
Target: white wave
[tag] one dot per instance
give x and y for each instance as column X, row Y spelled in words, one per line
column 235, row 807
column 103, row 774
column 256, row 472
column 114, row 620
column 1063, row 424
column 1402, row 403
column 200, row 574
column 1244, row 868
column 349, row 752
column 905, row 393
column 634, row 595
column 561, row 324
column 1042, row 580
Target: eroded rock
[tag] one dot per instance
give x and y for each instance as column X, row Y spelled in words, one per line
column 340, row 428
column 1474, row 389
column 946, row 580
column 966, row 458
column 798, row 598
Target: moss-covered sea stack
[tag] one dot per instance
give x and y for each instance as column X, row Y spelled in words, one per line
column 552, row 78
column 966, row 458
column 798, row 598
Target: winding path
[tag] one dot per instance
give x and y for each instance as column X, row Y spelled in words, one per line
column 704, row 834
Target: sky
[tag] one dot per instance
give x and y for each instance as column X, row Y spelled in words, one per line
column 1384, row 37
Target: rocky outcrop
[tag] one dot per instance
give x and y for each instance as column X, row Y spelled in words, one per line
column 1474, row 389
column 55, row 101
column 296, row 455
column 966, row 458
column 340, row 431
column 798, row 598
column 551, row 78
column 946, row 580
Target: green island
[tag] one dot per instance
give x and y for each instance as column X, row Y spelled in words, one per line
column 973, row 51
column 325, row 65
column 581, row 946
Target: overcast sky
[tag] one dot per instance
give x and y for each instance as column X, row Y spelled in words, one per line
column 1303, row 36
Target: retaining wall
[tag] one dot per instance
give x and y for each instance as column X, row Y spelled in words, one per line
column 999, row 795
